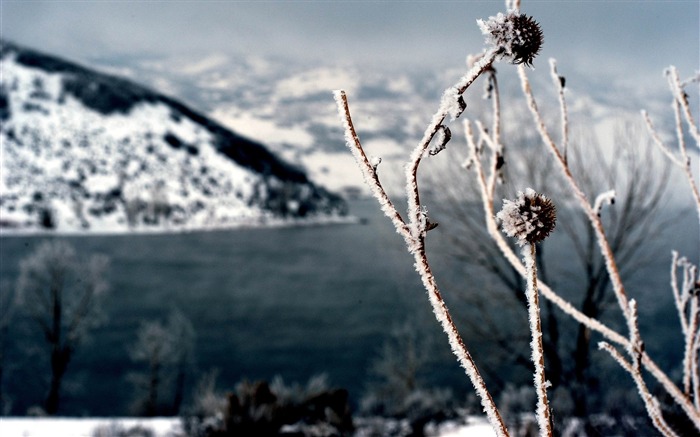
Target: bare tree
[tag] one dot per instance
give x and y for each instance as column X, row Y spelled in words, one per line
column 398, row 367
column 61, row 294
column 631, row 166
column 8, row 306
column 168, row 351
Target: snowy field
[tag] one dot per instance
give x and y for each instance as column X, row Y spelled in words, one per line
column 170, row 427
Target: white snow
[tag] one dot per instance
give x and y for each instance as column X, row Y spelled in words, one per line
column 107, row 153
column 317, row 81
column 265, row 130
column 171, row 427
column 73, row 427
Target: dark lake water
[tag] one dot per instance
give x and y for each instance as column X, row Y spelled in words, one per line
column 293, row 302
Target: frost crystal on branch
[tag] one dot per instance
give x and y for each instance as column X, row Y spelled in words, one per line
column 517, row 37
column 530, row 218
column 453, row 103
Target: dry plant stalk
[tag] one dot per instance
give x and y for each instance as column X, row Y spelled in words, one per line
column 485, row 146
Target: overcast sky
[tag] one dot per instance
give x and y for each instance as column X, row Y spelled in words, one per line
column 620, row 39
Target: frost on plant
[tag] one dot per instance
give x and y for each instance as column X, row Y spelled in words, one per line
column 530, row 218
column 516, row 37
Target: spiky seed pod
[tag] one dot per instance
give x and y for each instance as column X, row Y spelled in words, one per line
column 530, row 218
column 517, row 37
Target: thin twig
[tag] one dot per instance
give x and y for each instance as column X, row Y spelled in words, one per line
column 650, row 403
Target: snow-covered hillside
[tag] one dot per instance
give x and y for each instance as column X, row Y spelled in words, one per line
column 85, row 151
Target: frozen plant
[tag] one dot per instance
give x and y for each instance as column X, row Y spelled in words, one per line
column 511, row 36
column 530, row 219
column 517, row 38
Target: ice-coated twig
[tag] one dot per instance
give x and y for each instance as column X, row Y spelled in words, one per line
column 659, row 142
column 369, row 168
column 452, row 104
column 635, row 350
column 606, row 198
column 650, row 403
column 681, row 110
column 682, row 100
column 513, row 5
column 688, row 306
column 560, row 84
column 521, row 47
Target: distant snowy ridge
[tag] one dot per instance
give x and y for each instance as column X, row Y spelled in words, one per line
column 89, row 152
column 288, row 105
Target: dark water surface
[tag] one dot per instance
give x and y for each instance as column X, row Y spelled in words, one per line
column 293, row 302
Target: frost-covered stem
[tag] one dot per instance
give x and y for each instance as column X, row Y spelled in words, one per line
column 605, row 198
column 670, row 387
column 688, row 309
column 496, row 108
column 690, row 359
column 544, row 419
column 559, row 85
column 369, row 172
column 677, row 296
column 696, row 373
column 593, row 217
column 442, row 314
column 450, row 105
column 684, row 162
column 650, row 403
column 496, row 132
column 659, row 142
column 513, row 5
column 682, row 100
column 636, row 350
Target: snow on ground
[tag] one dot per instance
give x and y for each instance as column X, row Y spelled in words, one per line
column 72, row 427
column 170, row 427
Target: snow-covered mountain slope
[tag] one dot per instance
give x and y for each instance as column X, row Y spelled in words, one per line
column 82, row 150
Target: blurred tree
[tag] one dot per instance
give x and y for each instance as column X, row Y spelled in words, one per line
column 168, row 351
column 628, row 167
column 61, row 294
column 8, row 305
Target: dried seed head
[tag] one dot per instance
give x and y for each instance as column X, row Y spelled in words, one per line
column 530, row 218
column 517, row 37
